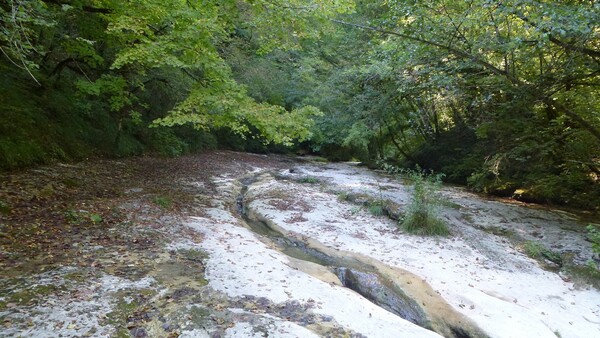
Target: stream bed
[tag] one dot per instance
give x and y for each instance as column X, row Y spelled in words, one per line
column 474, row 283
column 272, row 246
column 354, row 274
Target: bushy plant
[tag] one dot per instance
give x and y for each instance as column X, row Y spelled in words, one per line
column 309, row 180
column 163, row 201
column 376, row 208
column 594, row 237
column 4, row 208
column 166, row 142
column 537, row 251
column 421, row 215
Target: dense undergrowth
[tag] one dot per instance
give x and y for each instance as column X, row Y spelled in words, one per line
column 43, row 124
column 39, row 125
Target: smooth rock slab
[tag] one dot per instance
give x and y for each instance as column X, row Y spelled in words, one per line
column 240, row 264
column 506, row 293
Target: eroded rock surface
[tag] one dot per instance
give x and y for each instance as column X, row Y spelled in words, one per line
column 162, row 248
column 481, row 275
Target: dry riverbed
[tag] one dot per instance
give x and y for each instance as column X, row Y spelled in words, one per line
column 227, row 244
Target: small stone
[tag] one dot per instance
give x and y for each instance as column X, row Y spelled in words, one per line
column 138, row 332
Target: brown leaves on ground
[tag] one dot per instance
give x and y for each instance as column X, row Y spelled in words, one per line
column 48, row 215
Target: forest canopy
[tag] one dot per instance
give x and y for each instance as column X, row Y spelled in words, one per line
column 501, row 95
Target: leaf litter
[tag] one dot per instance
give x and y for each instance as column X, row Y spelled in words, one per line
column 84, row 247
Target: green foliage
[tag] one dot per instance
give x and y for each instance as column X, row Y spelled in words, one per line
column 494, row 95
column 216, row 101
column 584, row 274
column 592, row 268
column 538, row 251
column 198, row 256
column 32, row 129
column 309, row 180
column 594, row 237
column 113, row 87
column 343, row 196
column 21, row 153
column 95, row 218
column 21, row 22
column 128, row 145
column 77, row 217
column 4, row 208
column 421, row 215
column 300, row 20
column 164, row 202
column 376, row 208
column 121, row 66
column 166, row 142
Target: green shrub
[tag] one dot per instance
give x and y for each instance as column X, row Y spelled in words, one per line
column 343, row 196
column 198, row 140
column 533, row 249
column 421, row 216
column 164, row 141
column 376, row 208
column 537, row 251
column 77, row 217
column 422, row 221
column 4, row 208
column 20, row 153
column 95, row 218
column 594, row 237
column 128, row 146
column 163, row 202
column 309, row 180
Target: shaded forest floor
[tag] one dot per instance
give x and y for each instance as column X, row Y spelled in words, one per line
column 97, row 218
column 50, row 213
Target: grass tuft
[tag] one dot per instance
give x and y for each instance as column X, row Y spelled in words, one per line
column 376, row 209
column 423, row 221
column 163, row 202
column 309, row 180
column 4, row 208
column 537, row 251
column 421, row 215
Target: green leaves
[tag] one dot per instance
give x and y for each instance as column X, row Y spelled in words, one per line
column 285, row 24
column 187, row 35
column 21, row 22
column 594, row 237
column 83, row 49
column 117, row 47
column 228, row 106
column 173, row 33
column 113, row 87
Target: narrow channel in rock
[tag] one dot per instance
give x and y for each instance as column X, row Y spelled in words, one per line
column 362, row 277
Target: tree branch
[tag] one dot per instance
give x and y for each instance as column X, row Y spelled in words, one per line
column 586, row 51
column 547, row 99
column 85, row 8
column 455, row 51
column 583, row 123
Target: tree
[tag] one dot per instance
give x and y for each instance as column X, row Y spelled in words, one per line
column 503, row 94
column 132, row 39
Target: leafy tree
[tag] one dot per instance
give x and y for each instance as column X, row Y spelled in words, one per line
column 112, row 53
column 485, row 90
